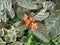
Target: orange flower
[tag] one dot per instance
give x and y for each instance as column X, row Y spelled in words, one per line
column 33, row 26
column 32, row 19
column 25, row 17
column 27, row 22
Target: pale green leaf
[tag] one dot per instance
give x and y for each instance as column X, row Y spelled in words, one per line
column 2, row 43
column 40, row 1
column 1, row 5
column 12, row 13
column 8, row 6
column 23, row 27
column 26, row 4
column 41, row 15
column 48, row 4
column 20, row 12
column 53, row 25
column 42, row 33
column 4, row 18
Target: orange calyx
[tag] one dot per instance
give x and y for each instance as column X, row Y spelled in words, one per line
column 33, row 26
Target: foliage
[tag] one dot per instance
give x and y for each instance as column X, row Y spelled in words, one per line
column 41, row 15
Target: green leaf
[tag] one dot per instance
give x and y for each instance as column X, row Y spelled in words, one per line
column 8, row 6
column 2, row 43
column 42, row 33
column 40, row 1
column 10, row 35
column 1, row 5
column 11, row 13
column 1, row 13
column 48, row 4
column 23, row 27
column 1, row 32
column 16, row 43
column 41, row 15
column 4, row 18
column 26, row 4
column 53, row 24
column 1, row 40
column 19, row 33
column 20, row 12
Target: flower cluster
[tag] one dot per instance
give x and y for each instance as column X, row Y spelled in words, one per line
column 30, row 22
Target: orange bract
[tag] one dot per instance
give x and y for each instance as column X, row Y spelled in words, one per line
column 33, row 26
column 27, row 22
column 25, row 17
column 32, row 19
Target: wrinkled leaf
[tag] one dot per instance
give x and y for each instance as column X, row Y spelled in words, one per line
column 41, row 15
column 26, row 4
column 40, row 1
column 1, row 32
column 2, row 43
column 23, row 27
column 4, row 18
column 1, row 40
column 19, row 33
column 10, row 36
column 42, row 33
column 8, row 6
column 16, row 43
column 1, row 5
column 53, row 24
column 48, row 4
column 20, row 12
column 12, row 13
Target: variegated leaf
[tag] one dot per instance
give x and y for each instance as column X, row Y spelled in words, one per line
column 53, row 24
column 41, row 15
column 42, row 33
column 26, row 4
